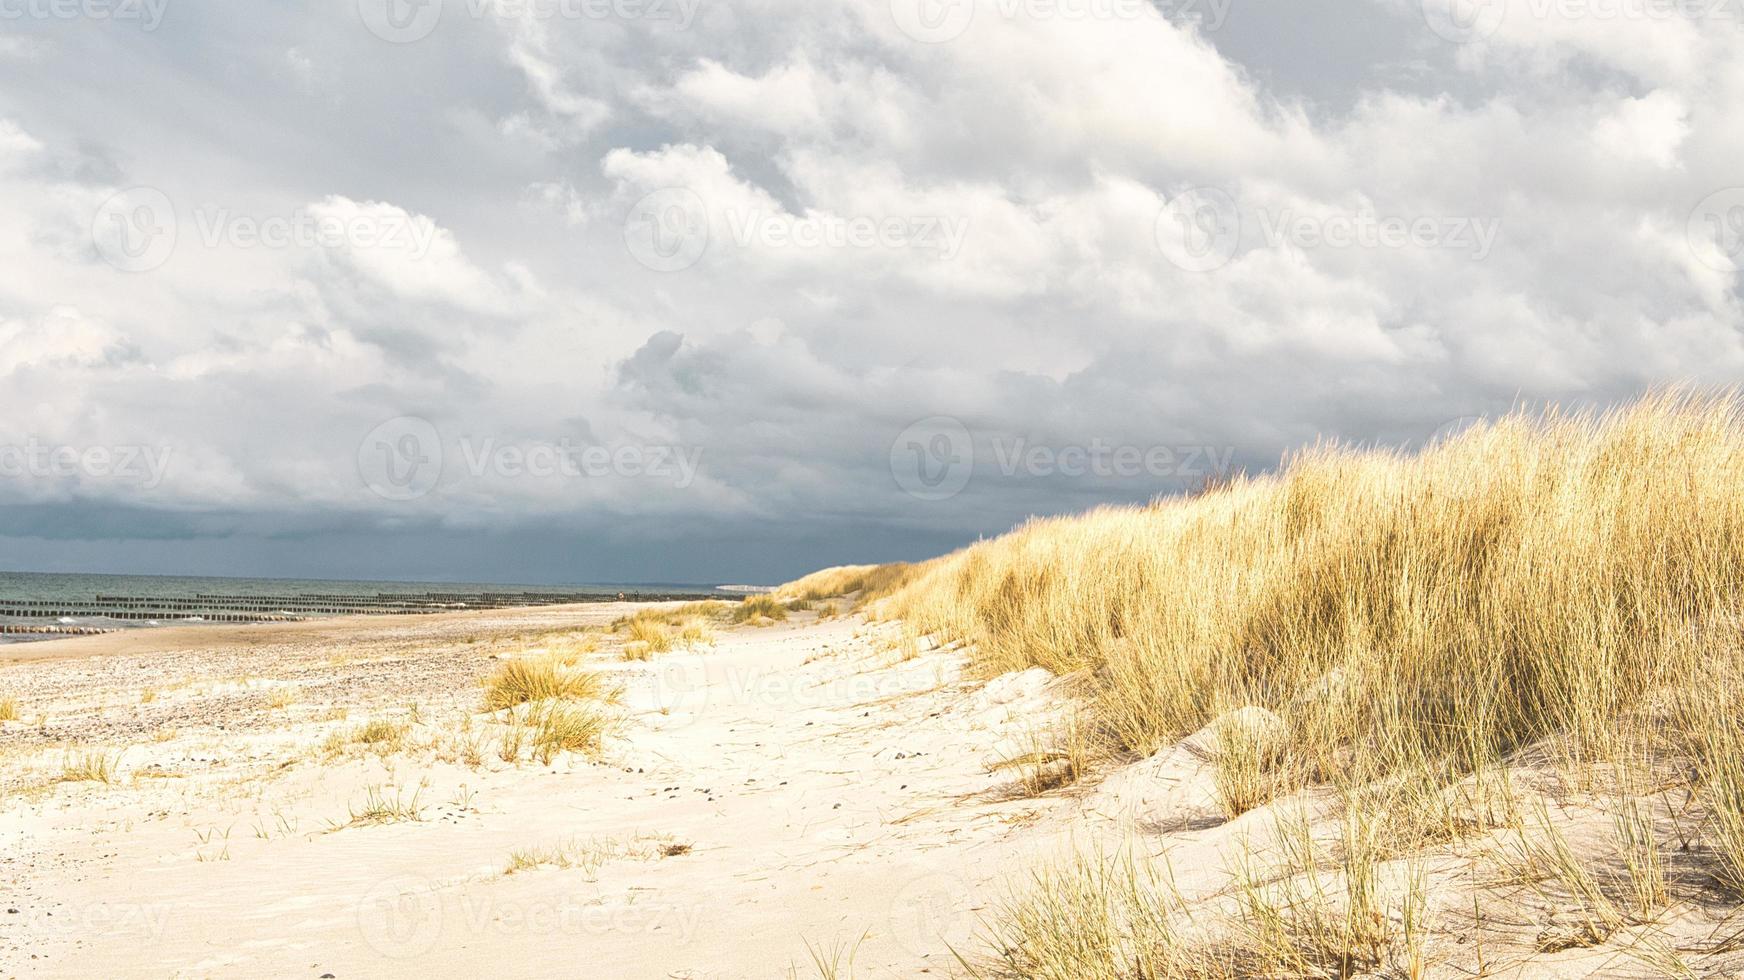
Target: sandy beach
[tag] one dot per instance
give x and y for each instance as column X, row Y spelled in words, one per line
column 796, row 789
column 823, row 795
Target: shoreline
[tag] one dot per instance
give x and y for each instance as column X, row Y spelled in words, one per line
column 216, row 637
column 11, row 642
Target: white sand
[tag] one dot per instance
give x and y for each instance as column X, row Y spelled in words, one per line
column 830, row 798
column 834, row 798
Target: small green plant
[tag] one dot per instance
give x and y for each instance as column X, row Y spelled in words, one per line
column 213, row 835
column 379, row 808
column 835, row 961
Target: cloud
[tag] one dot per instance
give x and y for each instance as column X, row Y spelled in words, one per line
column 786, row 233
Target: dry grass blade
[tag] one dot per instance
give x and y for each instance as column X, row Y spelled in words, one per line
column 760, row 609
column 541, row 679
column 91, row 765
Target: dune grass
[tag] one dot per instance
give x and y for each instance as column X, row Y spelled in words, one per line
column 548, row 709
column 656, row 631
column 867, row 582
column 378, row 735
column 8, row 709
column 760, row 610
column 556, row 727
column 90, row 766
column 1560, row 587
column 1535, row 577
column 539, row 679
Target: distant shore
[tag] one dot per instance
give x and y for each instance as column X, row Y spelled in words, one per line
column 37, row 607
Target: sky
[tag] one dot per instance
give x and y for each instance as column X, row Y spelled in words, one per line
column 708, row 291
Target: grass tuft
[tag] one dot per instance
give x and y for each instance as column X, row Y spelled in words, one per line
column 760, row 610
column 539, row 679
column 92, row 765
column 588, row 855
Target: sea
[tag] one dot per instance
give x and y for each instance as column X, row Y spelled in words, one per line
column 60, row 605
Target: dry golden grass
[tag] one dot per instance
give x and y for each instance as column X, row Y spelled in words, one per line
column 539, row 679
column 376, row 735
column 653, row 631
column 590, row 854
column 92, row 765
column 547, row 709
column 760, row 610
column 1095, row 916
column 570, row 648
column 8, row 709
column 868, row 582
column 710, row 610
column 653, row 637
column 557, row 727
column 1561, row 591
column 1529, row 579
